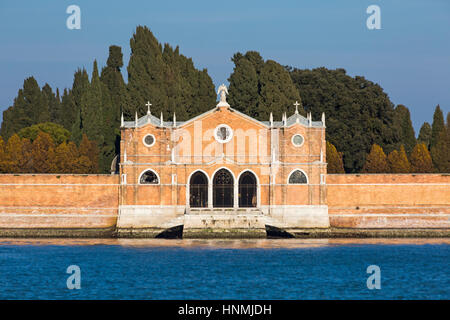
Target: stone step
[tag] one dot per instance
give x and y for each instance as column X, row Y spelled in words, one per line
column 221, row 211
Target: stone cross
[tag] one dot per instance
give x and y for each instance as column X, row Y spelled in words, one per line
column 148, row 104
column 296, row 104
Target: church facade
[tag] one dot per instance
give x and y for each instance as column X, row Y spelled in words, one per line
column 223, row 170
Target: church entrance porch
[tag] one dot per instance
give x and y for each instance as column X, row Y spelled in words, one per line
column 223, row 189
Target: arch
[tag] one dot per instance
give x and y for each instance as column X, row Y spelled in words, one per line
column 223, row 188
column 198, row 189
column 298, row 176
column 248, row 189
column 150, row 173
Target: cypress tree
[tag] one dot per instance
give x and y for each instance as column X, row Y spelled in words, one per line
column 376, row 161
column 80, row 87
column 30, row 107
column 3, row 159
column 166, row 78
column 112, row 78
column 334, row 160
column 92, row 103
column 420, row 159
column 425, row 134
column 43, row 154
column 243, row 89
column 53, row 103
column 437, row 126
column 68, row 111
column 258, row 88
column 398, row 161
column 14, row 154
column 440, row 152
column 403, row 124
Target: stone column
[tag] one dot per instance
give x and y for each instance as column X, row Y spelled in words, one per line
column 210, row 195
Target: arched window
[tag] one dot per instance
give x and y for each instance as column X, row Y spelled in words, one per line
column 198, row 189
column 297, row 177
column 148, row 177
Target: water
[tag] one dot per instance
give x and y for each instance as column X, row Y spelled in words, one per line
column 224, row 269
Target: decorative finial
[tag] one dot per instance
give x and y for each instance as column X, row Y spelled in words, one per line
column 162, row 122
column 174, row 119
column 296, row 104
column 223, row 91
column 121, row 120
column 271, row 119
column 323, row 119
column 284, row 119
column 148, row 104
column 135, row 120
column 309, row 119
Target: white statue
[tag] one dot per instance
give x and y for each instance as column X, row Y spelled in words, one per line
column 223, row 91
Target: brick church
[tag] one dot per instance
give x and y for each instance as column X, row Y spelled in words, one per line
column 223, row 167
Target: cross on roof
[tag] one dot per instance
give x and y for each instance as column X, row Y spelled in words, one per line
column 148, row 104
column 296, row 104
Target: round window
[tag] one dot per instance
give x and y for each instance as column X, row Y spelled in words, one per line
column 297, row 140
column 149, row 140
column 223, row 133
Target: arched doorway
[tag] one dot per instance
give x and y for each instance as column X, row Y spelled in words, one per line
column 223, row 189
column 247, row 190
column 198, row 190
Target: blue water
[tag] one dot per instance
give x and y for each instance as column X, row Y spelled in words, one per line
column 208, row 271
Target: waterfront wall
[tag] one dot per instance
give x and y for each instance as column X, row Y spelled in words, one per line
column 356, row 201
column 58, row 201
column 389, row 200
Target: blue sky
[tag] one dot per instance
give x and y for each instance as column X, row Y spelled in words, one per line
column 409, row 57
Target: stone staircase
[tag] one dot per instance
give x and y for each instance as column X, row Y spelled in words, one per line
column 216, row 221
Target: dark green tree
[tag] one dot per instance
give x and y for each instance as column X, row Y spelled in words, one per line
column 358, row 112
column 30, row 107
column 166, row 78
column 258, row 88
column 244, row 85
column 80, row 86
column 53, row 103
column 425, row 134
column 405, row 130
column 437, row 126
column 57, row 132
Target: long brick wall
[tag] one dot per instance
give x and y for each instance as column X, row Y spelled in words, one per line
column 389, row 200
column 354, row 201
column 58, row 201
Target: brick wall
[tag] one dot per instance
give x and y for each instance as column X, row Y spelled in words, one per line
column 58, row 201
column 389, row 200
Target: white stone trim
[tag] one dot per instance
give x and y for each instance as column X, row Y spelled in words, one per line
column 149, row 145
column 292, row 140
column 227, row 139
